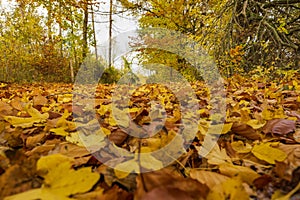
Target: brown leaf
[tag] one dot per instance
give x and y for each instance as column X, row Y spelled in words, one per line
column 262, row 181
column 39, row 100
column 5, row 109
column 20, row 176
column 164, row 179
column 294, row 114
column 116, row 193
column 167, row 193
column 118, row 137
column 281, row 169
column 41, row 150
column 53, row 115
column 16, row 103
column 209, row 178
column 33, row 141
column 245, row 131
column 72, row 150
column 293, row 159
column 280, row 126
column 80, row 154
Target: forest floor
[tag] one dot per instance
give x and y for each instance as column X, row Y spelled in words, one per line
column 60, row 143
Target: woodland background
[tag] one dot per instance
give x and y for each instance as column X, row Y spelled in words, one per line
column 48, row 40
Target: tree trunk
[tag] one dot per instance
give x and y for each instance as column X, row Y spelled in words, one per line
column 85, row 30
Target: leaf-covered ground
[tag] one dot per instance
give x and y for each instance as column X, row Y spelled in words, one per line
column 43, row 156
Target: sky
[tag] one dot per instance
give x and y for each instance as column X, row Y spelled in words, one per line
column 122, row 23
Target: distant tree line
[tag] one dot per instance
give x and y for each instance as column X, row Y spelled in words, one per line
column 241, row 35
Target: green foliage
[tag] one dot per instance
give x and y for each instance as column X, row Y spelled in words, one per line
column 110, row 75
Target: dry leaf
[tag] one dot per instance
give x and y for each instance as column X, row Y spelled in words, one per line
column 61, row 180
column 267, row 153
column 164, row 179
column 36, row 118
column 247, row 175
column 231, row 189
column 245, row 131
column 209, row 178
column 280, row 126
column 217, row 156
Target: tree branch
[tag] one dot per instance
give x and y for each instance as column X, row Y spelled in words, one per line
column 277, row 36
column 281, row 3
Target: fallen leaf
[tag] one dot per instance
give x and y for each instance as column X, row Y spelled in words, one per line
column 17, row 104
column 255, row 124
column 33, row 141
column 130, row 166
column 293, row 158
column 231, row 189
column 39, row 100
column 224, row 128
column 166, row 178
column 60, row 180
column 241, row 147
column 280, row 126
column 118, row 137
column 25, row 122
column 209, row 178
column 5, row 109
column 59, row 131
column 167, row 193
column 216, row 156
column 246, row 174
column 262, row 181
column 267, row 153
column 245, row 131
column 72, row 150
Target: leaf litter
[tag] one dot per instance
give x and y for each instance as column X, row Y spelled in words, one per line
column 43, row 155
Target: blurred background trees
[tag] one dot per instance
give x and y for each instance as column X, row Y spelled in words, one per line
column 44, row 40
column 47, row 40
column 241, row 35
